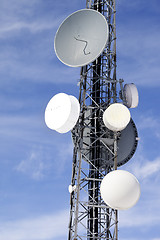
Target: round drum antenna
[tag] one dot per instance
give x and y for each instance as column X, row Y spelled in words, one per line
column 131, row 95
column 62, row 112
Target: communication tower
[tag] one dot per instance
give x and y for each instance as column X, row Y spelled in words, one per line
column 98, row 150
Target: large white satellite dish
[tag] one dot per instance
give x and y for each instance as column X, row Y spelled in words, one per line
column 62, row 112
column 116, row 117
column 81, row 38
column 120, row 190
column 131, row 95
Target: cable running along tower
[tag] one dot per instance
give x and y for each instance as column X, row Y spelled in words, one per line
column 102, row 142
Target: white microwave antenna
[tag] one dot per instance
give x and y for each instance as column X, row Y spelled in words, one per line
column 78, row 41
column 103, row 132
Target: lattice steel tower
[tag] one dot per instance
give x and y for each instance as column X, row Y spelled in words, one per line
column 94, row 146
column 97, row 150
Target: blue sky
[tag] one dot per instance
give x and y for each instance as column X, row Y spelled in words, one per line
column 35, row 162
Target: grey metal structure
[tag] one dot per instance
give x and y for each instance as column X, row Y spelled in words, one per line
column 96, row 149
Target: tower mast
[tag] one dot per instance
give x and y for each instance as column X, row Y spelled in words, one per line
column 93, row 158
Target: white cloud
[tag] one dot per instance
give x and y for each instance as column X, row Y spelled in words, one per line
column 147, row 121
column 33, row 26
column 44, row 150
column 47, row 227
column 42, row 71
column 145, row 169
column 34, row 165
column 146, row 213
column 29, row 128
column 23, row 15
column 28, row 52
column 40, row 161
column 20, row 127
column 140, row 216
column 151, row 123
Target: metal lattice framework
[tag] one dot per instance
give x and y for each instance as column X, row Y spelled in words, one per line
column 93, row 157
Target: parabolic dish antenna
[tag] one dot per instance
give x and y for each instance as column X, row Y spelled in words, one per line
column 62, row 112
column 116, row 117
column 120, row 190
column 81, row 38
column 131, row 95
column 126, row 145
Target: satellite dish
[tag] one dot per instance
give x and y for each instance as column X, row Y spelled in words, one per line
column 81, row 38
column 120, row 190
column 131, row 95
column 126, row 146
column 62, row 112
column 116, row 117
column 127, row 143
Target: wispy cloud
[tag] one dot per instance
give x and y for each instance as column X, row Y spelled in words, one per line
column 45, row 227
column 34, row 16
column 147, row 168
column 147, row 121
column 27, row 43
column 33, row 27
column 40, row 162
column 34, row 166
column 150, row 122
column 145, row 214
column 145, row 163
column 20, row 127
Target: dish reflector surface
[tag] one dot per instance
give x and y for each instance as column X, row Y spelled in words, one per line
column 120, row 190
column 116, row 117
column 131, row 95
column 62, row 112
column 126, row 145
column 81, row 38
